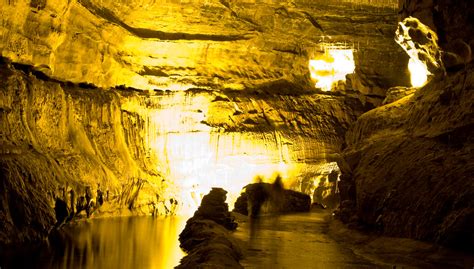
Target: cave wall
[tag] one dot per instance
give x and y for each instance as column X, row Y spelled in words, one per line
column 407, row 169
column 216, row 44
column 182, row 95
column 451, row 20
column 57, row 136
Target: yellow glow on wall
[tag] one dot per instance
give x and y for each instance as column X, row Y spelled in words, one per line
column 418, row 72
column 421, row 45
column 198, row 161
column 193, row 157
column 331, row 67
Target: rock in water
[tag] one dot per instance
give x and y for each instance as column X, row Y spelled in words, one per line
column 264, row 198
column 214, row 207
column 206, row 237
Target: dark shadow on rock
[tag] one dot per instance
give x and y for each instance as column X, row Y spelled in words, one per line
column 207, row 238
column 266, row 198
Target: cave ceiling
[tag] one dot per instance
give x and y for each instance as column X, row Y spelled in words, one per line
column 177, row 45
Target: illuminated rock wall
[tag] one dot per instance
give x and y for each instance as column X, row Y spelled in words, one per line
column 408, row 165
column 451, row 20
column 56, row 135
column 180, row 44
column 407, row 170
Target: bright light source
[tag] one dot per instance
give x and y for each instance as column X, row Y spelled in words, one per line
column 418, row 72
column 331, row 67
column 193, row 158
column 421, row 44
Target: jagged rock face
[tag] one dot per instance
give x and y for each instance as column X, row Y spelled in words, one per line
column 411, row 164
column 56, row 135
column 206, row 237
column 451, row 20
column 219, row 44
column 408, row 166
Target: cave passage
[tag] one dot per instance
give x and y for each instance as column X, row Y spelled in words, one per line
column 118, row 118
column 315, row 240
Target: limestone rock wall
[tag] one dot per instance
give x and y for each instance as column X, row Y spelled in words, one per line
column 408, row 167
column 451, row 20
column 179, row 45
column 57, row 136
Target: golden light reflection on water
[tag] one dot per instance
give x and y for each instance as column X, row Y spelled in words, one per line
column 134, row 242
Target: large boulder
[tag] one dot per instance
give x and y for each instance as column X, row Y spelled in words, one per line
column 264, row 198
column 206, row 237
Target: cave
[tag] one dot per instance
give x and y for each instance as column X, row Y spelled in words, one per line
column 121, row 119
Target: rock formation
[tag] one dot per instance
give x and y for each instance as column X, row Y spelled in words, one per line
column 451, row 20
column 157, row 102
column 407, row 169
column 211, row 43
column 206, row 237
column 57, row 134
column 265, row 198
column 409, row 164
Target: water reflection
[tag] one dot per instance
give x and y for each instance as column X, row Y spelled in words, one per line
column 133, row 242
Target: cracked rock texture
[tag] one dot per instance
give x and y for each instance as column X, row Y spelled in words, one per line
column 183, row 44
column 408, row 166
column 408, row 169
column 56, row 135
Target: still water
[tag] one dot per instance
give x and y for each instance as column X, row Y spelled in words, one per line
column 130, row 242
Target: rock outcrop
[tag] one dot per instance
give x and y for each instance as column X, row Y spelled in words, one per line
column 451, row 20
column 206, row 237
column 408, row 166
column 265, row 198
column 407, row 169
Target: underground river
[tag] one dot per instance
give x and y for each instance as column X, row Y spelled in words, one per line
column 306, row 240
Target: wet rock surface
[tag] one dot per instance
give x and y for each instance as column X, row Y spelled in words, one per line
column 206, row 237
column 58, row 137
